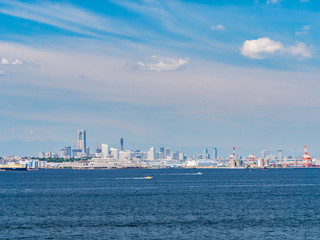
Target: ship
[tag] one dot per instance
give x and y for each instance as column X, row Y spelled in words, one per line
column 148, row 177
column 13, row 167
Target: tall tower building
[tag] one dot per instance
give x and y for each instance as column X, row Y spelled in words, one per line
column 81, row 141
column 121, row 144
column 152, row 154
column 166, row 153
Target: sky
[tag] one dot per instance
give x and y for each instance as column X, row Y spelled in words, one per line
column 182, row 73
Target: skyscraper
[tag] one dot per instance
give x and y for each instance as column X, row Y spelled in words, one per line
column 152, row 154
column 82, row 142
column 166, row 153
column 121, row 144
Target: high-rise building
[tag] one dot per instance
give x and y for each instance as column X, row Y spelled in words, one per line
column 152, row 154
column 115, row 153
column 162, row 150
column 166, row 153
column 104, row 150
column 81, row 141
column 215, row 153
column 121, row 144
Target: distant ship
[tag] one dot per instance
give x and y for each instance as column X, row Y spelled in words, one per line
column 13, row 167
column 148, row 177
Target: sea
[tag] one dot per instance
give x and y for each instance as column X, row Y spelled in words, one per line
column 174, row 204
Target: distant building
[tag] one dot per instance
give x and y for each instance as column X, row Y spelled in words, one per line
column 152, row 154
column 105, row 151
column 121, row 144
column 280, row 154
column 261, row 162
column 81, row 141
column 115, row 153
column 215, row 153
column 166, row 153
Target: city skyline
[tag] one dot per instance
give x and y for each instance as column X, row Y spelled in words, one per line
column 158, row 73
column 81, row 149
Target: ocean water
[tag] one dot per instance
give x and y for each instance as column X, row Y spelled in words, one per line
column 175, row 204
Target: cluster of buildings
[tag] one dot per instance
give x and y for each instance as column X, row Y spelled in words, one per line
column 106, row 156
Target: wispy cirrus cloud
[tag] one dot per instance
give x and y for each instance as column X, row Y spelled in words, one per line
column 158, row 63
column 304, row 30
column 263, row 47
column 65, row 16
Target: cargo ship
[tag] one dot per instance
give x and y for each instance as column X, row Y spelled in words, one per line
column 13, row 167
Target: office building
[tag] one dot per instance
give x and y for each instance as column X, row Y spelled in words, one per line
column 166, row 153
column 105, row 150
column 152, row 154
column 81, row 141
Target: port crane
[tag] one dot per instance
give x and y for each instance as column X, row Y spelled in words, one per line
column 306, row 158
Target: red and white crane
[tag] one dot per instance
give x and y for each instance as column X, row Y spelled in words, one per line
column 306, row 158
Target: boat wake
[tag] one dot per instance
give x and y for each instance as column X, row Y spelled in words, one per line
column 182, row 174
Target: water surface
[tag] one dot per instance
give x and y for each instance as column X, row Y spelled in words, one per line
column 175, row 204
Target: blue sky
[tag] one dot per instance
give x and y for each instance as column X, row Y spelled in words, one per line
column 179, row 73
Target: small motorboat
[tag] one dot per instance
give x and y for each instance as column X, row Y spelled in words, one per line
column 148, row 177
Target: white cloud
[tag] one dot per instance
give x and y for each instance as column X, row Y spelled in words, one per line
column 300, row 49
column 217, row 27
column 259, row 48
column 5, row 61
column 158, row 63
column 262, row 47
column 273, row 1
